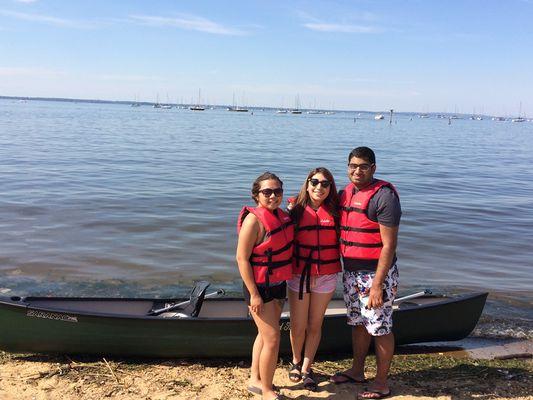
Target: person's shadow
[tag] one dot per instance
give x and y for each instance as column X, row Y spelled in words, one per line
column 464, row 381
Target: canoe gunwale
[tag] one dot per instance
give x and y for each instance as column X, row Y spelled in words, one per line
column 23, row 303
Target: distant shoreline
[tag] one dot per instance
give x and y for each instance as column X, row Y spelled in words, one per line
column 218, row 106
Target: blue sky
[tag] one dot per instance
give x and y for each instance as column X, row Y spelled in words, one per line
column 412, row 55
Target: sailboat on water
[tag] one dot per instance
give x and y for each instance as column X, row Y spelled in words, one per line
column 282, row 109
column 197, row 107
column 157, row 104
column 236, row 108
column 136, row 102
column 520, row 118
column 296, row 109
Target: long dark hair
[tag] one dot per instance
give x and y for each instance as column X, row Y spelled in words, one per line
column 331, row 203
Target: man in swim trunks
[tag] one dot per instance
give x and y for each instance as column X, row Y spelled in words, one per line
column 370, row 218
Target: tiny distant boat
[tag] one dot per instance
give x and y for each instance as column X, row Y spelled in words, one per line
column 423, row 116
column 281, row 112
column 197, row 107
column 314, row 112
column 296, row 111
column 216, row 327
column 236, row 108
column 166, row 106
column 377, row 117
column 499, row 119
column 329, row 112
column 520, row 118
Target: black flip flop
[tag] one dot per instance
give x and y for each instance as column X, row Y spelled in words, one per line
column 347, row 379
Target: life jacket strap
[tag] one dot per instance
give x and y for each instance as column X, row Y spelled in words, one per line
column 319, row 247
column 305, row 278
column 358, row 244
column 316, row 228
column 274, row 252
column 279, row 228
column 363, row 230
column 271, row 264
column 318, row 261
column 349, row 209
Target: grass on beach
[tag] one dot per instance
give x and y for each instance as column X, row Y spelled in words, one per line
column 426, row 375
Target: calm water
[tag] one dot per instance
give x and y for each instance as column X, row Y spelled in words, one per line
column 102, row 199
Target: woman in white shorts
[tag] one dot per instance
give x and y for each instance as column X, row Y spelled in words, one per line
column 316, row 263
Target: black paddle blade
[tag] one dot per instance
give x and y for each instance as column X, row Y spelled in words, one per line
column 197, row 298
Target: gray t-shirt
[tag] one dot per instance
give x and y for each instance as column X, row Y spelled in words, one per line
column 384, row 208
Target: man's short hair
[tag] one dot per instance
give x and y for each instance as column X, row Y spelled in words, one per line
column 363, row 152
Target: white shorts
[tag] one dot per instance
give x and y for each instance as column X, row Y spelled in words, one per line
column 377, row 321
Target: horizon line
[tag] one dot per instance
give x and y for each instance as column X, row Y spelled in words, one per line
column 106, row 101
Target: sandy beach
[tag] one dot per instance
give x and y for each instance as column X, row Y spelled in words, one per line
column 422, row 376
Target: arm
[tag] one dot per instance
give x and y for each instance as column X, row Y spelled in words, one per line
column 248, row 235
column 389, row 238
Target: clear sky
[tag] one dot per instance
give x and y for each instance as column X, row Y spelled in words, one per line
column 410, row 55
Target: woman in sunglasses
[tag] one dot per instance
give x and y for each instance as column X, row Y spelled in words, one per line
column 264, row 256
column 315, row 266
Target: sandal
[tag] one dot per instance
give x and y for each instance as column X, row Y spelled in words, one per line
column 310, row 381
column 295, row 372
column 371, row 394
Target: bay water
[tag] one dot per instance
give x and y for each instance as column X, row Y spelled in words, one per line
column 112, row 200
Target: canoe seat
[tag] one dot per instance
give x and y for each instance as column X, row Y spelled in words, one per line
column 172, row 314
column 196, row 300
column 186, row 309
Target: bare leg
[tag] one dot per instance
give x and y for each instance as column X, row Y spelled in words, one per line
column 360, row 343
column 255, row 378
column 317, row 308
column 268, row 325
column 299, row 315
column 384, row 353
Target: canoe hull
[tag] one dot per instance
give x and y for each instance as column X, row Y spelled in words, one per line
column 27, row 329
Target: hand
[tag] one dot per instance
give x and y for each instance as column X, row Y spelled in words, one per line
column 256, row 304
column 375, row 298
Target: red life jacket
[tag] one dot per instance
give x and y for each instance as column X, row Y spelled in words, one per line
column 271, row 260
column 360, row 239
column 316, row 246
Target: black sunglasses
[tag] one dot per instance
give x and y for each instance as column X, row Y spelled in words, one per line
column 268, row 192
column 314, row 182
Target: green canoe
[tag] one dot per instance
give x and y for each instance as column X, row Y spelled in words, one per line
column 123, row 327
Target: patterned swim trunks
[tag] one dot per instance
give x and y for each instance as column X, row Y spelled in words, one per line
column 377, row 321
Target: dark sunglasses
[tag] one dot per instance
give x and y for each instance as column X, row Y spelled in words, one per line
column 362, row 167
column 268, row 192
column 314, row 182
